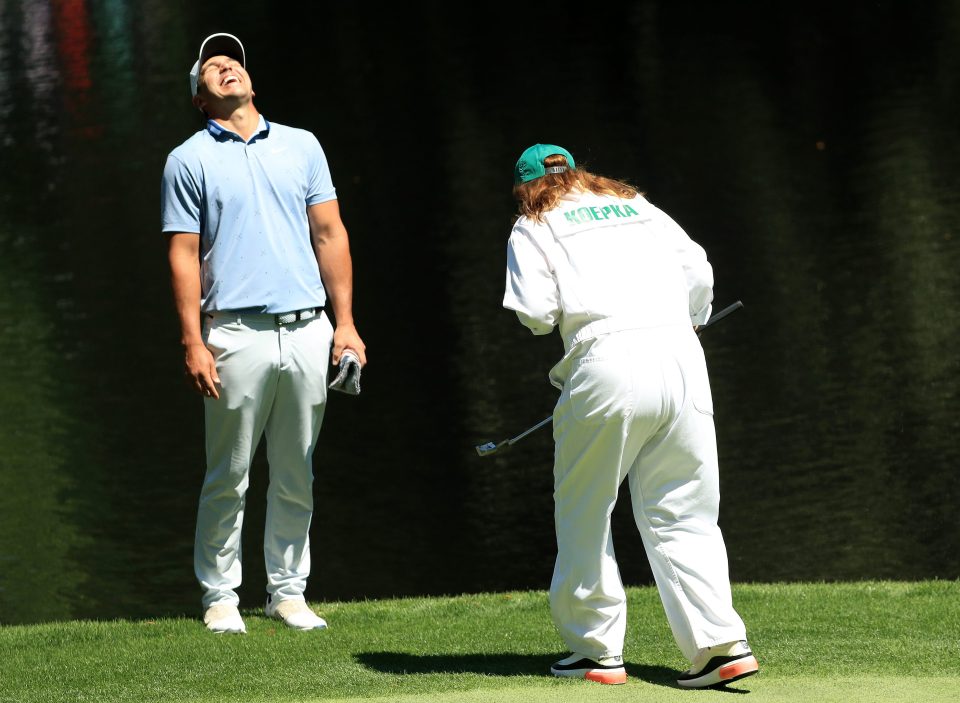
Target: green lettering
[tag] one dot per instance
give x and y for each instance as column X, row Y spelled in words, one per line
column 606, row 212
column 595, row 213
column 617, row 211
column 571, row 216
column 629, row 210
column 585, row 214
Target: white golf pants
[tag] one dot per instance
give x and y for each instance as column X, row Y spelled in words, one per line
column 637, row 405
column 273, row 384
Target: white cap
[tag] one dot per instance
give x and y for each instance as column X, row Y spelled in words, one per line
column 220, row 44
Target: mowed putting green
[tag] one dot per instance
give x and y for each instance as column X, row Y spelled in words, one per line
column 845, row 642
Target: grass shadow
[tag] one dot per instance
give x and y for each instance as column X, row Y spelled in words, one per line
column 726, row 689
column 504, row 664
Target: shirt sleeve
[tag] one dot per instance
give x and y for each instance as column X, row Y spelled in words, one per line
column 180, row 198
column 320, row 184
column 696, row 267
column 531, row 289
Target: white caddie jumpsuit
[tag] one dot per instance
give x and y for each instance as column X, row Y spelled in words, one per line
column 625, row 285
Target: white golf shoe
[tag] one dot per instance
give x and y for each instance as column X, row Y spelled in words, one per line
column 720, row 665
column 295, row 613
column 224, row 618
column 604, row 670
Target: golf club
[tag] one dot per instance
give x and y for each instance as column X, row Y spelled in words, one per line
column 733, row 307
column 489, row 448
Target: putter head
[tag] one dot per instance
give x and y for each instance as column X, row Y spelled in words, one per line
column 485, row 449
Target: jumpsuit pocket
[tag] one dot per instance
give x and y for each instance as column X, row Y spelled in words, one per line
column 599, row 390
column 696, row 380
column 703, row 403
column 698, row 386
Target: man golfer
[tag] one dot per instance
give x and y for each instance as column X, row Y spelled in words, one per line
column 257, row 254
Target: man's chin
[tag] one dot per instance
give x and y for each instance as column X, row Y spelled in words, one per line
column 226, row 104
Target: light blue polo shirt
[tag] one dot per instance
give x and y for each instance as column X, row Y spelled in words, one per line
column 248, row 202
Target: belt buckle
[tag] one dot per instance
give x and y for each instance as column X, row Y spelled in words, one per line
column 288, row 318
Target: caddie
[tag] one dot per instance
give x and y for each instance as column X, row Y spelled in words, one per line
column 626, row 287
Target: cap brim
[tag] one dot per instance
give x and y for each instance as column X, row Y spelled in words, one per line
column 222, row 45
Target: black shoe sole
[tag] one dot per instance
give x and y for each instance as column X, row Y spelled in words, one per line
column 720, row 671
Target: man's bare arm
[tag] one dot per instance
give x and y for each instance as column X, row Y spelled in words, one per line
column 331, row 246
column 199, row 366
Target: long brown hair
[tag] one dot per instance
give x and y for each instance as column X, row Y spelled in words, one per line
column 542, row 194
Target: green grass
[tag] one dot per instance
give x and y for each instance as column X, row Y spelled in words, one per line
column 870, row 641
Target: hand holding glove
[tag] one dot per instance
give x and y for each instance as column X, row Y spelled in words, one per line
column 348, row 376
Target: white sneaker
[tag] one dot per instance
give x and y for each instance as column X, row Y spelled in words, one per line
column 721, row 665
column 604, row 670
column 224, row 618
column 295, row 613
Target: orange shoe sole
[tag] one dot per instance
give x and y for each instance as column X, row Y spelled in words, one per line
column 738, row 669
column 609, row 677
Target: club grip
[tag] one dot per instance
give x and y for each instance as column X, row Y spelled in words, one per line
column 720, row 315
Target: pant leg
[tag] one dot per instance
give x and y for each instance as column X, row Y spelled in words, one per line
column 674, row 485
column 597, row 436
column 291, row 433
column 247, row 363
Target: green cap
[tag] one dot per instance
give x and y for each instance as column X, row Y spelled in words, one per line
column 530, row 164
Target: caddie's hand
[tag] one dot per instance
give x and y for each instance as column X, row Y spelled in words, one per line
column 346, row 337
column 201, row 370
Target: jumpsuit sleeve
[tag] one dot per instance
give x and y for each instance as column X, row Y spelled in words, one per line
column 531, row 289
column 696, row 268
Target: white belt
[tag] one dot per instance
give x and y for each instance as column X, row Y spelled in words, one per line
column 608, row 325
column 286, row 318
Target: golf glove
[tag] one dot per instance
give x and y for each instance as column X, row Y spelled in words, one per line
column 348, row 378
